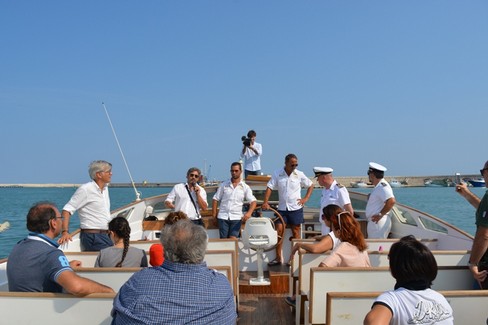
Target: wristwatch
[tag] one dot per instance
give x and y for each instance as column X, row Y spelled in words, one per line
column 380, row 214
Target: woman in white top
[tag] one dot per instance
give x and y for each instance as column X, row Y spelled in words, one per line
column 352, row 248
column 349, row 253
column 412, row 302
column 324, row 243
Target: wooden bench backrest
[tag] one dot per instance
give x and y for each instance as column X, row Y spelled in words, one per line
column 350, row 308
column 344, row 279
column 213, row 244
column 373, row 245
column 113, row 277
column 55, row 308
column 213, row 258
column 308, row 260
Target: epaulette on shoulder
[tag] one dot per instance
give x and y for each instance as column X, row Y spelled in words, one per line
column 383, row 183
column 340, row 185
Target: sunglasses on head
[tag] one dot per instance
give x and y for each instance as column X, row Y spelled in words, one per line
column 339, row 217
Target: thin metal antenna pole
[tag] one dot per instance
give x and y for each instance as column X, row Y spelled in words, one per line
column 138, row 194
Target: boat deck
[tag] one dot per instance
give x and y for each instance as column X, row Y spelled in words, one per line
column 264, row 309
column 257, row 303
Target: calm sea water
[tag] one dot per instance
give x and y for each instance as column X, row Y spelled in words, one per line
column 442, row 202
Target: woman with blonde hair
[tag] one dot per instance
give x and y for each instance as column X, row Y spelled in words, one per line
column 352, row 250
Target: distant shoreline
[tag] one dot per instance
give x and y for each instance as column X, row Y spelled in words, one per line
column 413, row 181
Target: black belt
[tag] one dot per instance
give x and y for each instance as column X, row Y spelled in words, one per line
column 95, row 231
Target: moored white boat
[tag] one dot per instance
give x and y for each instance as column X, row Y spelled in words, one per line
column 446, row 182
column 360, row 184
column 395, row 183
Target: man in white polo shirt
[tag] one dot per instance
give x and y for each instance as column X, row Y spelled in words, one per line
column 332, row 193
column 380, row 203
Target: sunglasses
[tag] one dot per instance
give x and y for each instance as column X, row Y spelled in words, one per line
column 294, row 165
column 482, row 171
column 194, row 175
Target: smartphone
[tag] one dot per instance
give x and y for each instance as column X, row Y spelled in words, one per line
column 458, row 178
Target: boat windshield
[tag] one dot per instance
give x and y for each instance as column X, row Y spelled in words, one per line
column 405, row 217
column 125, row 214
column 429, row 224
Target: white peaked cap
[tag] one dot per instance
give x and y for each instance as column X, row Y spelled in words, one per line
column 322, row 170
column 376, row 166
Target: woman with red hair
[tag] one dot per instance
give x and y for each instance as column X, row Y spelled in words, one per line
column 352, row 249
column 349, row 243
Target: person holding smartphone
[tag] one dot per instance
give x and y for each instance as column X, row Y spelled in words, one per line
column 478, row 261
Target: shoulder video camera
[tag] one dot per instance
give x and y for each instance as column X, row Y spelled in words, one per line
column 246, row 141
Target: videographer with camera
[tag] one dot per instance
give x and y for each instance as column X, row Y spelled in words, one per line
column 251, row 153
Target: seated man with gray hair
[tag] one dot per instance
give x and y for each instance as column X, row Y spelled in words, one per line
column 183, row 290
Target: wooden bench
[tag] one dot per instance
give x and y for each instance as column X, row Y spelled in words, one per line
column 213, row 244
column 350, row 308
column 113, row 277
column 308, row 260
column 373, row 245
column 355, row 279
column 55, row 308
column 212, row 258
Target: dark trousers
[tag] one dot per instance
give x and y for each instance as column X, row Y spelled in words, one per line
column 198, row 222
column 94, row 242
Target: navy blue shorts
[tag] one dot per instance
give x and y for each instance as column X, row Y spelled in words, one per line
column 228, row 228
column 94, row 242
column 292, row 217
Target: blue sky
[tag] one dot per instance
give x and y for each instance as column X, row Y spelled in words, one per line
column 338, row 83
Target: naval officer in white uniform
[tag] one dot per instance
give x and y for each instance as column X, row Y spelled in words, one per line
column 380, row 202
column 332, row 193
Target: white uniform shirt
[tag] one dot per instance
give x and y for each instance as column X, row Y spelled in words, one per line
column 92, row 204
column 181, row 199
column 232, row 198
column 417, row 307
column 376, row 201
column 337, row 195
column 252, row 161
column 289, row 188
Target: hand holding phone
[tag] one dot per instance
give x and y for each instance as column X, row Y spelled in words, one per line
column 458, row 178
